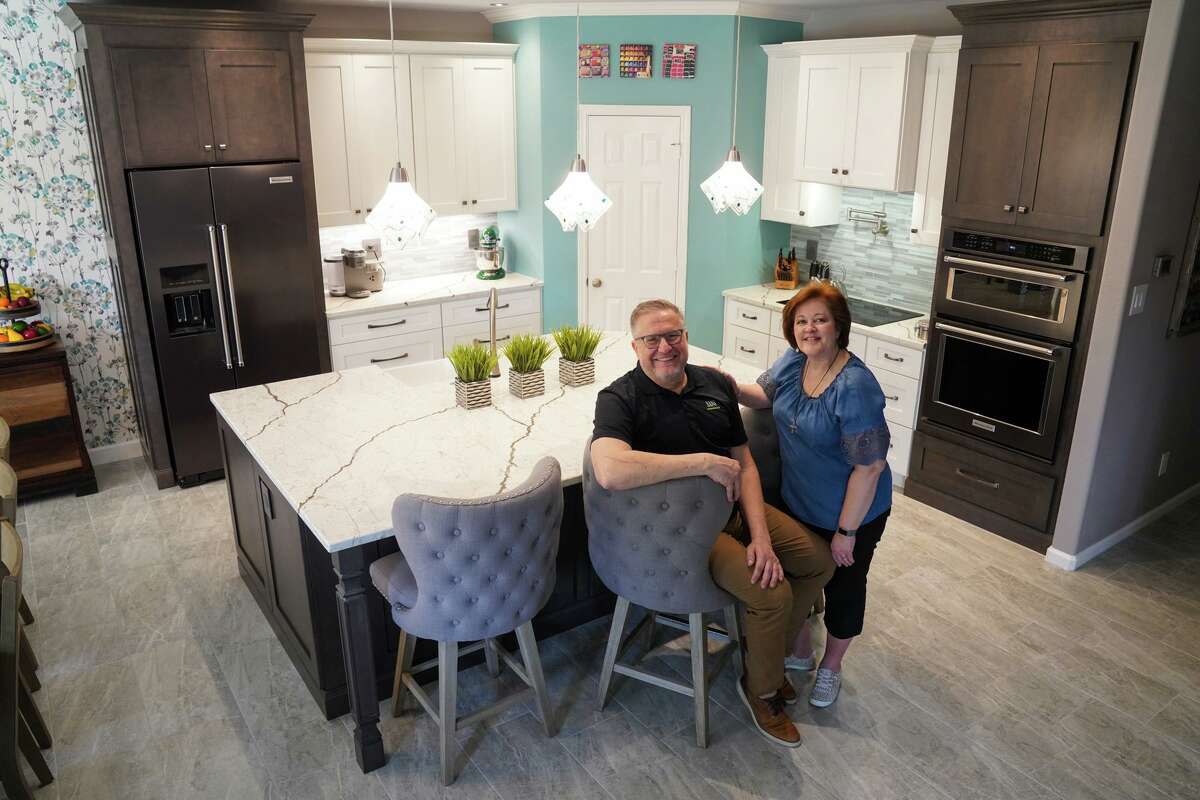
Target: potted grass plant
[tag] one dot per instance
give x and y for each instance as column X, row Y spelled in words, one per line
column 526, row 353
column 576, row 345
column 472, row 363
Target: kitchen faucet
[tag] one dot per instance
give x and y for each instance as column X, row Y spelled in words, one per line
column 493, row 298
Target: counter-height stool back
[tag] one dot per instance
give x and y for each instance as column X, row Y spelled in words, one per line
column 5, row 435
column 10, row 545
column 470, row 571
column 650, row 547
column 22, row 729
column 764, row 446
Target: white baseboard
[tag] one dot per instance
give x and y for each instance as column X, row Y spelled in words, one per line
column 1063, row 560
column 121, row 451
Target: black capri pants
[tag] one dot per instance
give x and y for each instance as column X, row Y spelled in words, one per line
column 846, row 592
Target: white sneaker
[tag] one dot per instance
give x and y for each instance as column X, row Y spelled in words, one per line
column 825, row 689
column 800, row 664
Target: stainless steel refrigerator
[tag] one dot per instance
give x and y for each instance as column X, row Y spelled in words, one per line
column 233, row 300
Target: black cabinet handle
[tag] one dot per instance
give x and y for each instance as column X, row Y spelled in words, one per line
column 845, row 172
column 800, row 214
column 473, row 202
column 890, row 358
column 912, row 230
column 835, row 170
column 393, row 358
column 892, row 397
column 373, row 326
column 1008, row 207
column 749, row 316
column 1022, row 210
column 464, row 202
column 485, row 308
column 264, row 496
column 498, row 339
column 746, row 349
column 962, row 473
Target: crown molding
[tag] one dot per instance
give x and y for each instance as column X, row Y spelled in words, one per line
column 406, row 47
column 75, row 15
column 946, row 44
column 867, row 44
column 1025, row 10
column 691, row 8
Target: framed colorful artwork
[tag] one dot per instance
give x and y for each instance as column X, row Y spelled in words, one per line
column 637, row 61
column 593, row 61
column 679, row 60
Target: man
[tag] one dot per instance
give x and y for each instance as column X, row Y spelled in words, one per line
column 665, row 419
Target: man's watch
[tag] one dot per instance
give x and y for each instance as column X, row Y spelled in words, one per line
column 846, row 533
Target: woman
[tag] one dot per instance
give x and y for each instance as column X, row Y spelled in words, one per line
column 833, row 439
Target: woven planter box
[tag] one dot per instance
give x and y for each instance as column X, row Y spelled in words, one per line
column 576, row 373
column 527, row 384
column 473, row 395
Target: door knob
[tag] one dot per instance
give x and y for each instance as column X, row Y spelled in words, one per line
column 1008, row 206
column 596, row 283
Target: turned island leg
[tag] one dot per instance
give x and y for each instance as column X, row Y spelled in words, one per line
column 354, row 585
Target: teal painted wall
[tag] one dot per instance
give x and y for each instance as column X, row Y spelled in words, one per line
column 723, row 251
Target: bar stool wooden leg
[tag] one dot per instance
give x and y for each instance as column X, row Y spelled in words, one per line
column 404, row 659
column 533, row 668
column 33, row 717
column 26, row 613
column 620, row 612
column 448, row 706
column 29, row 664
column 699, row 635
column 733, row 627
column 33, row 755
column 493, row 658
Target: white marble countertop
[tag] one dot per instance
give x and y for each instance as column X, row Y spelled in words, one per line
column 427, row 289
column 766, row 296
column 341, row 446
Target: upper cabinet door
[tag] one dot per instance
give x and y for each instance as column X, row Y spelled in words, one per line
column 252, row 105
column 162, row 100
column 439, row 132
column 988, row 132
column 376, row 97
column 874, row 120
column 1076, row 118
column 819, row 118
column 490, row 146
column 934, row 145
column 331, row 90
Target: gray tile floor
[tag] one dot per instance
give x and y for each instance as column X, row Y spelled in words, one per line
column 983, row 674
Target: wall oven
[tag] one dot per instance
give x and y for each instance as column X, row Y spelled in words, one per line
column 999, row 387
column 1021, row 285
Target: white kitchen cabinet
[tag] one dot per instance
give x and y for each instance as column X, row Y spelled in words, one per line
column 477, row 332
column 388, row 352
column 775, row 348
column 843, row 112
column 331, row 89
column 936, row 112
column 749, row 346
column 375, row 134
column 463, row 133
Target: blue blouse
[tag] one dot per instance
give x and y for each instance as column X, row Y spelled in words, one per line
column 822, row 439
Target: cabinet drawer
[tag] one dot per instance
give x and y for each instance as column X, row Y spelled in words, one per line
column 894, row 358
column 477, row 332
column 750, row 347
column 987, row 482
column 474, row 309
column 775, row 348
column 899, row 449
column 382, row 324
column 389, row 351
column 744, row 315
column 858, row 345
column 776, row 324
column 900, row 396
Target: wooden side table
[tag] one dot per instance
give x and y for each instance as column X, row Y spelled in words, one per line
column 37, row 402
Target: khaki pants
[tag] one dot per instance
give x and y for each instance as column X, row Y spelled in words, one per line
column 773, row 616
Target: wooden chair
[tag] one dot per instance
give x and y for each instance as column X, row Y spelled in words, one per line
column 11, row 557
column 22, row 727
column 4, row 440
column 8, row 511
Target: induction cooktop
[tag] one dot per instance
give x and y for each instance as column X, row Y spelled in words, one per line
column 873, row 315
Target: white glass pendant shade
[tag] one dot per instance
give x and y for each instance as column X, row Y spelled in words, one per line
column 401, row 216
column 578, row 202
column 732, row 187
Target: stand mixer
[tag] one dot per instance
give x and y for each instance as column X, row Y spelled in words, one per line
column 489, row 255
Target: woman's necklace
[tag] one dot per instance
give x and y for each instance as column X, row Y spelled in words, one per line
column 804, row 375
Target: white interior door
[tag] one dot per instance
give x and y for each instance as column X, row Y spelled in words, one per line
column 637, row 250
column 874, row 107
column 819, row 123
column 375, row 148
column 331, row 98
column 491, row 151
column 439, row 132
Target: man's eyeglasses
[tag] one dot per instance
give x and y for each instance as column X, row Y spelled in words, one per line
column 651, row 340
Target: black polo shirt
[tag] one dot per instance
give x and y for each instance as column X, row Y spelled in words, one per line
column 704, row 418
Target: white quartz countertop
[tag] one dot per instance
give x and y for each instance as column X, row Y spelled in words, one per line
column 428, row 289
column 341, row 446
column 767, row 296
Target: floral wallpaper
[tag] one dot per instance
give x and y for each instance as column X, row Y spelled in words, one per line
column 50, row 225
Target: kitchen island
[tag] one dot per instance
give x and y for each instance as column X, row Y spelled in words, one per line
column 313, row 466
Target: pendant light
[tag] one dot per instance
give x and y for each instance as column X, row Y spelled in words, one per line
column 400, row 216
column 578, row 202
column 731, row 186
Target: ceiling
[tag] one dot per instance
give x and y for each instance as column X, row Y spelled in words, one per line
column 783, row 6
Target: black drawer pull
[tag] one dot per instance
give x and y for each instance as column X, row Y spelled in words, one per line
column 393, row 358
column 498, row 339
column 485, row 308
column 749, row 316
column 893, row 397
column 372, row 326
column 746, row 350
column 962, row 473
column 892, row 358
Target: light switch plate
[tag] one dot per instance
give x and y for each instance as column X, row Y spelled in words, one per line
column 1137, row 303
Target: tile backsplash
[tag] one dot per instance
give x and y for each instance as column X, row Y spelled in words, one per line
column 886, row 268
column 442, row 250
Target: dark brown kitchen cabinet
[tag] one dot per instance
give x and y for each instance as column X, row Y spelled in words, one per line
column 251, row 96
column 162, row 101
column 1034, row 134
column 285, row 547
column 190, row 106
column 241, row 476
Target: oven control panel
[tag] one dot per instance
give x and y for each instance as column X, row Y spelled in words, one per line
column 1063, row 255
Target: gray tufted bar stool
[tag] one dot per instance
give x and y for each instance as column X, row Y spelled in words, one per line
column 764, row 446
column 650, row 546
column 470, row 571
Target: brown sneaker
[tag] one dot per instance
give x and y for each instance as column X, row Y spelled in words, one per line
column 769, row 718
column 788, row 692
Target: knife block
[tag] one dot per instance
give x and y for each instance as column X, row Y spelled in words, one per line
column 786, row 279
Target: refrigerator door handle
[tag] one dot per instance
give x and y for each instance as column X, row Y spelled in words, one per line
column 237, row 331
column 212, row 243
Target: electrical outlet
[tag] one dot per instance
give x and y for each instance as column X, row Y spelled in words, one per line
column 1137, row 303
column 1162, row 463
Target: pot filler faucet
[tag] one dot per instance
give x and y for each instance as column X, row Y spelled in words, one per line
column 493, row 298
